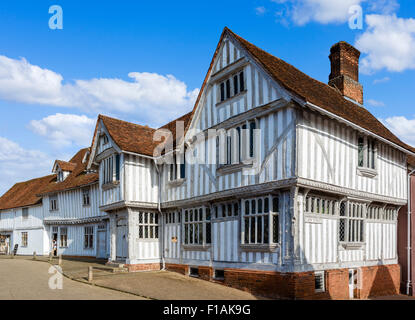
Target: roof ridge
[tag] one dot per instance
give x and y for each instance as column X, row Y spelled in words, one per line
column 100, row 116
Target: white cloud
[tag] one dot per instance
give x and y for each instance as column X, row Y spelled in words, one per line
column 381, row 80
column 375, row 103
column 260, row 11
column 404, row 128
column 389, row 43
column 63, row 130
column 156, row 98
column 301, row 12
column 18, row 164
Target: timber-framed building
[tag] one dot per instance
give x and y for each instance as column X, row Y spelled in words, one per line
column 293, row 191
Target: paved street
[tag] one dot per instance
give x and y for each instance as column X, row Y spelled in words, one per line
column 27, row 280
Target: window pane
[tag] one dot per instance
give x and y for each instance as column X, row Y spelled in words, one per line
column 228, row 89
column 229, row 210
column 222, row 91
column 241, row 81
column 259, row 205
column 236, row 209
column 235, row 85
column 266, row 229
column 342, row 230
column 266, row 205
column 200, row 233
column 361, row 146
column 186, row 234
column 252, row 127
column 247, row 207
column 259, row 229
column 208, row 233
column 275, row 204
column 247, row 230
column 253, row 204
column 275, row 229
column 253, row 227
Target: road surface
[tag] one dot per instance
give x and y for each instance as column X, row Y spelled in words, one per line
column 30, row 280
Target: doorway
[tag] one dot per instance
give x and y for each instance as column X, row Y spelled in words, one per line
column 121, row 244
column 102, row 242
column 55, row 244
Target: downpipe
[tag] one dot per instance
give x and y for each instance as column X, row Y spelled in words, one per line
column 409, row 248
column 163, row 261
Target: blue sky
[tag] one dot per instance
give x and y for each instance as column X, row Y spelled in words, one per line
column 143, row 61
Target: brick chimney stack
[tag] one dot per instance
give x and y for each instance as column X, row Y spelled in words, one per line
column 344, row 74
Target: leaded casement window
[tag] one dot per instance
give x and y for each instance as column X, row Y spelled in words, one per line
column 232, row 86
column 88, row 237
column 24, row 239
column 236, row 144
column 104, row 139
column 390, row 214
column 25, row 213
column 53, row 203
column 86, row 201
column 172, row 218
column 226, row 210
column 367, row 153
column 111, row 169
column 197, row 226
column 374, row 213
column 351, row 222
column 260, row 220
column 319, row 205
column 148, row 225
column 63, row 237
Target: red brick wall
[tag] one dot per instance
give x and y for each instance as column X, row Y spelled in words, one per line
column 143, row 267
column 375, row 281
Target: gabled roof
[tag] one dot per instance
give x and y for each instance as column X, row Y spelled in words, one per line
column 24, row 194
column 77, row 178
column 318, row 93
column 65, row 166
column 130, row 136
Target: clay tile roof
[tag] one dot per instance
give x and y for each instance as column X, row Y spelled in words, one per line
column 130, row 136
column 77, row 178
column 318, row 93
column 171, row 126
column 66, row 166
column 24, row 194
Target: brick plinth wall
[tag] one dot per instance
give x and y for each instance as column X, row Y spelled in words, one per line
column 374, row 281
column 143, row 267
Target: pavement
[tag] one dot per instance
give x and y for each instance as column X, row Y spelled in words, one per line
column 158, row 285
column 23, row 279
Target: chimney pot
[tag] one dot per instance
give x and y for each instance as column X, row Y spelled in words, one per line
column 344, row 74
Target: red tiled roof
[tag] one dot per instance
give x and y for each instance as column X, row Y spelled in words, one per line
column 77, row 178
column 130, row 136
column 24, row 194
column 66, row 166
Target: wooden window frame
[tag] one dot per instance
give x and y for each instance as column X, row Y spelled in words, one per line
column 25, row 239
column 86, row 197
column 354, row 223
column 25, row 213
column 148, row 226
column 63, row 237
column 197, row 227
column 88, row 237
column 53, row 203
column 258, row 213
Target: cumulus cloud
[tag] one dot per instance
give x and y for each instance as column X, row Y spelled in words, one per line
column 156, row 98
column 18, row 164
column 388, row 42
column 403, row 127
column 302, row 12
column 64, row 130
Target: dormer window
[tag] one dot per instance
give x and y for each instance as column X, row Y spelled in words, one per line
column 232, row 86
column 60, row 176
